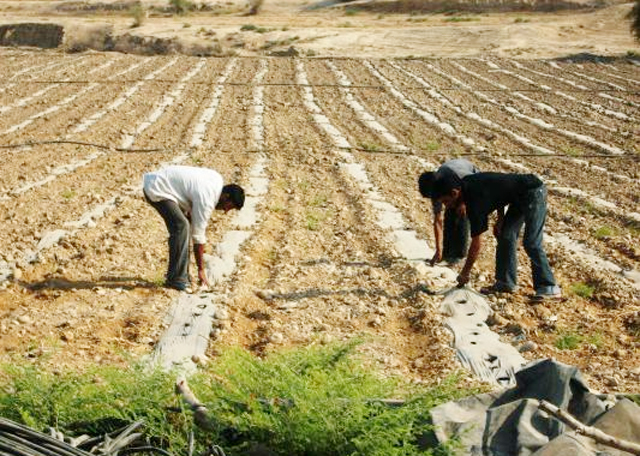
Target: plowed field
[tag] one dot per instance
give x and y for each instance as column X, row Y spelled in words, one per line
column 82, row 255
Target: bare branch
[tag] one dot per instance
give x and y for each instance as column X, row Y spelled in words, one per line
column 589, row 431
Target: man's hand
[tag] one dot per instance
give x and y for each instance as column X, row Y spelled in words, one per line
column 461, row 209
column 198, row 250
column 497, row 228
column 437, row 258
column 463, row 278
column 202, row 278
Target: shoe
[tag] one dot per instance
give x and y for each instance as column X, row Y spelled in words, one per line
column 452, row 261
column 495, row 289
column 555, row 295
column 180, row 286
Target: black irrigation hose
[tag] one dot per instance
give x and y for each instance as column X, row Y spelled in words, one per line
column 82, row 143
column 147, row 449
column 358, row 149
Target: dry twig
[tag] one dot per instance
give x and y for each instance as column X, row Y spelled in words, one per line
column 589, row 431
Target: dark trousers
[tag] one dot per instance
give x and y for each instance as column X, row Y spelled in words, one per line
column 530, row 211
column 179, row 229
column 455, row 237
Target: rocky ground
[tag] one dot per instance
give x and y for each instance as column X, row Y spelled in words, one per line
column 86, row 254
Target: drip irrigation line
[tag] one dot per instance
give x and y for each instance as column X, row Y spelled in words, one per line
column 484, row 154
column 352, row 86
column 429, row 153
column 88, row 144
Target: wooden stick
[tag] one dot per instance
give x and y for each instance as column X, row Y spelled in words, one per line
column 200, row 412
column 589, row 431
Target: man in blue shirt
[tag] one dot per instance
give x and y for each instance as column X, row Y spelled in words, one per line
column 451, row 243
column 483, row 193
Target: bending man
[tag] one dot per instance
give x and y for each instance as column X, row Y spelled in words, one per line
column 483, row 193
column 451, row 242
column 185, row 197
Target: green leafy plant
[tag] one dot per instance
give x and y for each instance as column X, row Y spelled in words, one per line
column 572, row 151
column 68, row 194
column 461, row 19
column 596, row 339
column 138, row 14
column 583, row 290
column 350, row 12
column 568, row 341
column 603, row 232
column 432, row 146
column 319, row 200
column 313, row 220
column 370, row 146
column 181, row 6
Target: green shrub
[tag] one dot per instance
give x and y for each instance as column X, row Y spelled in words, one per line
column 94, row 402
column 315, row 401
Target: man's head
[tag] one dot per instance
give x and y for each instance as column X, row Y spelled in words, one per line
column 425, row 183
column 232, row 197
column 447, row 188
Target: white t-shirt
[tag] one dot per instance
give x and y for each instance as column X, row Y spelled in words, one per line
column 195, row 190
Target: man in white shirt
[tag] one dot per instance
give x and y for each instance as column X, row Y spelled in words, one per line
column 185, row 197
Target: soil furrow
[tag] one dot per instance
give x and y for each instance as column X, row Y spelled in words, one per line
column 605, row 132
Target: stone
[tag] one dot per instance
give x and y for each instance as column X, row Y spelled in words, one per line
column 611, row 381
column 200, row 360
column 496, row 319
column 528, row 346
column 276, row 338
column 222, row 314
column 619, row 353
column 24, row 319
column 542, row 312
column 265, row 295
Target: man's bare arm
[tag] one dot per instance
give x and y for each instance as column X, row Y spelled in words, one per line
column 472, row 256
column 198, row 250
column 437, row 234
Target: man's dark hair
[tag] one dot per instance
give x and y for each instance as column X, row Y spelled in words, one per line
column 236, row 194
column 446, row 181
column 425, row 183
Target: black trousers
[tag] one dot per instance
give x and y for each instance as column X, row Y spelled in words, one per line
column 455, row 242
column 179, row 233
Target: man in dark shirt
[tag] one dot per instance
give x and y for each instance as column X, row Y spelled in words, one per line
column 482, row 193
column 451, row 242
